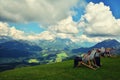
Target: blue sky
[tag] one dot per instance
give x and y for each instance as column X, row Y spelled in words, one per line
column 31, row 27
column 87, row 21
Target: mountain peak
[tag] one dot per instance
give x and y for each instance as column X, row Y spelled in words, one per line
column 107, row 43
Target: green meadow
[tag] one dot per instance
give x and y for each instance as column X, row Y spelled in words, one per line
column 110, row 70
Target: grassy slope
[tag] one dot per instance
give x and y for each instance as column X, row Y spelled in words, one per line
column 65, row 71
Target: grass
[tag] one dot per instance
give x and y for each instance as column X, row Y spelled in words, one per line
column 65, row 71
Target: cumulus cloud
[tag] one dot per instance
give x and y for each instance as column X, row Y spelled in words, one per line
column 47, row 35
column 98, row 21
column 67, row 26
column 6, row 30
column 43, row 11
column 85, row 38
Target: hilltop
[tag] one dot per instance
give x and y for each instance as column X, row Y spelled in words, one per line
column 65, row 71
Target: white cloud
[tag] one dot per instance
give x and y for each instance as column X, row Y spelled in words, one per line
column 85, row 38
column 67, row 26
column 46, row 35
column 13, row 32
column 6, row 30
column 43, row 11
column 98, row 21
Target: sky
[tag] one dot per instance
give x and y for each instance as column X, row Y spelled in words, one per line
column 83, row 21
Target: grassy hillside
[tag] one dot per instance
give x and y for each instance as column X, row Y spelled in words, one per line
column 65, row 71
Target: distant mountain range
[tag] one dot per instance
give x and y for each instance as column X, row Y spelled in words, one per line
column 110, row 43
column 19, row 50
column 11, row 49
column 57, row 44
column 16, row 50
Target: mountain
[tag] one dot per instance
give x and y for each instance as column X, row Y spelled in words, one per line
column 45, row 51
column 51, row 45
column 19, row 45
column 57, row 44
column 109, row 43
column 17, row 50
